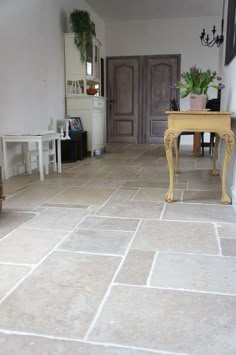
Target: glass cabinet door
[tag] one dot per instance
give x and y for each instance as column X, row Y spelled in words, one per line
column 96, row 62
column 89, row 63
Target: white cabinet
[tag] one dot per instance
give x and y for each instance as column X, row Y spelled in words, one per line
column 91, row 110
column 78, row 78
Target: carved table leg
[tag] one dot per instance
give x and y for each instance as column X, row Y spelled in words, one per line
column 176, row 156
column 229, row 141
column 168, row 141
column 215, row 171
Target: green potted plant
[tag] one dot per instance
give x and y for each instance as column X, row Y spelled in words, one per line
column 196, row 83
column 83, row 28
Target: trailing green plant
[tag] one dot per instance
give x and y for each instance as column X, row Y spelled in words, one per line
column 81, row 25
column 197, row 81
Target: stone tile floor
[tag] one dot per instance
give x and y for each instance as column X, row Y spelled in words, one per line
column 93, row 261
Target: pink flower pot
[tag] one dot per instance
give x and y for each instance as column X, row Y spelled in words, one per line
column 197, row 102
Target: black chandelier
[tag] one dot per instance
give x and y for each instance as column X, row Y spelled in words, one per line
column 216, row 38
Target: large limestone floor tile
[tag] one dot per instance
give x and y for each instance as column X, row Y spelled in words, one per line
column 154, row 184
column 113, row 184
column 58, row 218
column 174, row 321
column 124, row 194
column 227, row 230
column 204, row 162
column 110, row 223
column 32, row 345
column 205, row 185
column 228, row 246
column 12, row 188
column 83, row 196
column 150, row 194
column 65, row 181
column 31, row 197
column 198, row 212
column 176, row 236
column 195, row 272
column 136, row 268
column 201, row 175
column 62, row 295
column 97, row 241
column 135, row 209
column 11, row 220
column 28, row 246
column 190, row 196
column 9, row 276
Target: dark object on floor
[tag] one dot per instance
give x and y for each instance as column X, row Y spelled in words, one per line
column 74, row 149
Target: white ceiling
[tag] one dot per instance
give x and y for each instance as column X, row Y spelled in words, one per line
column 123, row 10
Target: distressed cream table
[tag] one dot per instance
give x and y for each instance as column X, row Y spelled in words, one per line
column 198, row 121
column 32, row 138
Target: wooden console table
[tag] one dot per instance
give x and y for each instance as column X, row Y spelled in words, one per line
column 198, row 121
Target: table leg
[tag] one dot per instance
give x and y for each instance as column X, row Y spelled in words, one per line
column 59, row 154
column 168, row 141
column 54, row 155
column 197, row 144
column 229, row 142
column 4, row 152
column 176, row 156
column 40, row 149
column 215, row 171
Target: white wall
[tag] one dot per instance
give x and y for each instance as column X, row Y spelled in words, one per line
column 32, row 62
column 228, row 103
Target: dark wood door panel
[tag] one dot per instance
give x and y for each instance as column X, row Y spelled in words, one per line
column 160, row 72
column 123, row 106
column 138, row 95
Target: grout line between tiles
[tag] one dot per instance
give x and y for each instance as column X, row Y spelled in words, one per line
column 136, row 194
column 232, row 238
column 217, row 238
column 107, row 229
column 163, row 211
column 45, row 229
column 175, row 289
column 109, row 198
column 107, row 293
column 152, row 269
column 186, row 253
column 81, row 341
column 88, row 253
column 16, row 264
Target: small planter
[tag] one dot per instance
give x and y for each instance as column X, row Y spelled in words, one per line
column 198, row 102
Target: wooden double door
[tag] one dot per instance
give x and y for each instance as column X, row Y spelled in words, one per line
column 139, row 93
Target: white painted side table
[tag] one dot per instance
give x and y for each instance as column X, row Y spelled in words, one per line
column 32, row 138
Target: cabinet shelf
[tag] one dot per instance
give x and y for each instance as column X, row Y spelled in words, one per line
column 80, row 76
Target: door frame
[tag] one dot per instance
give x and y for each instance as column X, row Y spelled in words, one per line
column 142, row 104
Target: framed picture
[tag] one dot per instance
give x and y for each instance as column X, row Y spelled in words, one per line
column 75, row 124
column 231, row 32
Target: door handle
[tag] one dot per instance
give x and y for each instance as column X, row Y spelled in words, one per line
column 111, row 101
